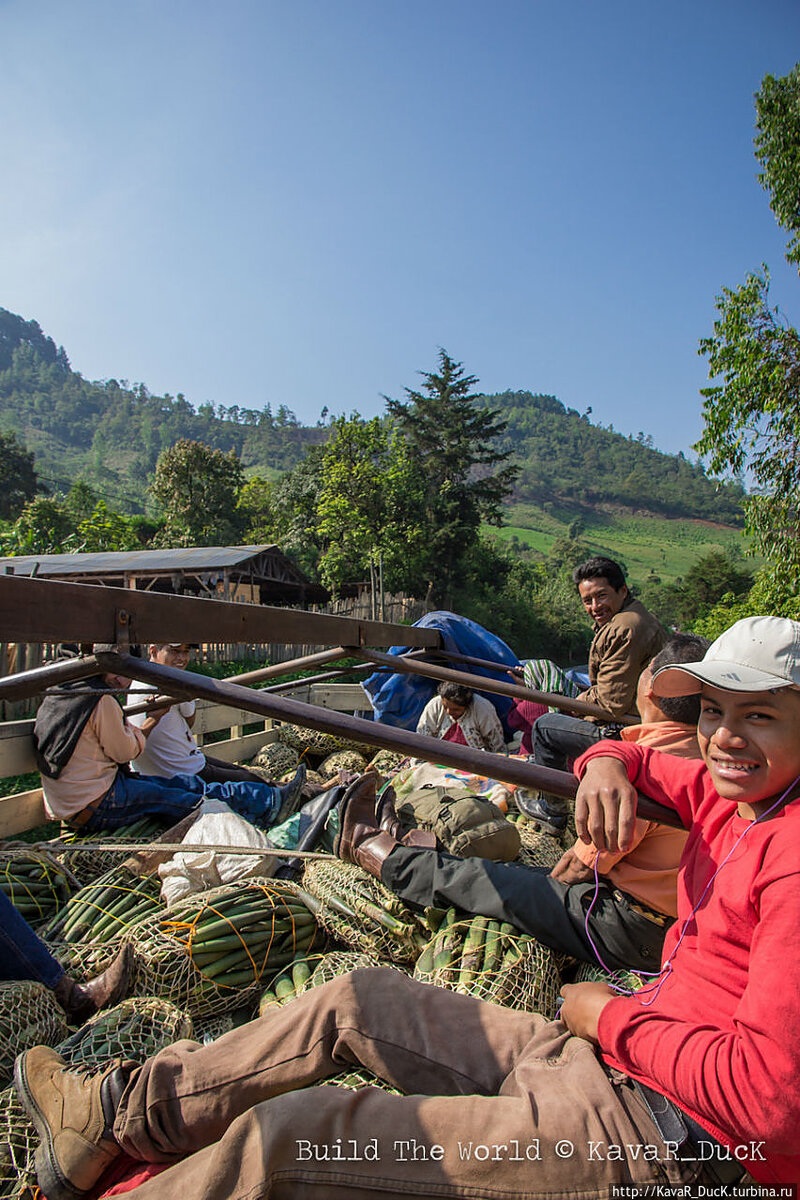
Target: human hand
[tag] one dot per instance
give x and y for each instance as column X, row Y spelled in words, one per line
column 605, row 806
column 583, row 1004
column 569, row 869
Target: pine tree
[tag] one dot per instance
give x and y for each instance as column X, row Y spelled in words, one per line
column 452, row 442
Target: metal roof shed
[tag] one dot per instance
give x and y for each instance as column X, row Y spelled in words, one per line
column 250, row 574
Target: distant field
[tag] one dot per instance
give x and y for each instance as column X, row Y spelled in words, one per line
column 645, row 544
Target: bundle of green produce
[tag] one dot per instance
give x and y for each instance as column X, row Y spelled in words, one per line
column 316, row 743
column 106, row 909
column 353, row 1080
column 537, row 849
column 359, row 911
column 386, row 761
column 35, row 883
column 491, row 960
column 216, row 950
column 135, row 1029
column 628, row 981
column 309, row 971
column 274, row 760
column 18, row 1142
column 87, row 865
column 342, row 760
column 29, row 1015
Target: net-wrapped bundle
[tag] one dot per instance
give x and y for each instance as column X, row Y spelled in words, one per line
column 342, row 760
column 106, row 909
column 627, row 981
column 216, row 950
column 135, row 1029
column 310, row 971
column 353, row 1080
column 274, row 760
column 386, row 761
column 537, row 849
column 29, row 1016
column 87, row 865
column 316, row 743
column 493, row 961
column 37, row 884
column 359, row 911
column 18, row 1142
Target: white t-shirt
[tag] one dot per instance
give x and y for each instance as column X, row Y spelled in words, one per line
column 170, row 748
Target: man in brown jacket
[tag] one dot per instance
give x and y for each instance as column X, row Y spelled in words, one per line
column 626, row 638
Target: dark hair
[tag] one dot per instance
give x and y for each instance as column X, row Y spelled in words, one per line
column 456, row 692
column 600, row 568
column 681, row 648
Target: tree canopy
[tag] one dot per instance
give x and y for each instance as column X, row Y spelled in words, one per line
column 198, row 488
column 752, row 415
column 453, row 450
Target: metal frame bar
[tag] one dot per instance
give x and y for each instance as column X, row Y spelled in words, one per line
column 480, row 683
column 478, row 762
column 46, row 610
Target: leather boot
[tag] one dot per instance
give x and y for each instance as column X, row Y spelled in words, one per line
column 74, row 1114
column 82, row 1000
column 388, row 820
column 360, row 839
column 290, row 792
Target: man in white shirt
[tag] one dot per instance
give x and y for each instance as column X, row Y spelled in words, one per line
column 170, row 748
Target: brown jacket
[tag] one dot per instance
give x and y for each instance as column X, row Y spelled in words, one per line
column 619, row 652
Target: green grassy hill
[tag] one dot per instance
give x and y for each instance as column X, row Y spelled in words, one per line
column 667, row 547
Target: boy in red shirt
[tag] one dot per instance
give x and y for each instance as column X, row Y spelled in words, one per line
column 683, row 1084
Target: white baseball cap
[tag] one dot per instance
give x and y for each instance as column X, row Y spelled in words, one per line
column 757, row 654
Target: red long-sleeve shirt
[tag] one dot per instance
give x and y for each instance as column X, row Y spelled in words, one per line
column 721, row 1038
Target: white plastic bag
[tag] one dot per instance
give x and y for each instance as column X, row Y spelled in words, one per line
column 217, row 825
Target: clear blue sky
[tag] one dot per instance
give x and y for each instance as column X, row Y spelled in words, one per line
column 299, row 202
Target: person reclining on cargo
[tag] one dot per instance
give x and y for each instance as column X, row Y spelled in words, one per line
column 457, row 714
column 681, row 1086
column 83, row 745
column 621, row 919
column 23, row 955
column 626, row 637
column 170, row 748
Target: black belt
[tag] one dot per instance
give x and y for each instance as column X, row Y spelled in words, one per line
column 676, row 1126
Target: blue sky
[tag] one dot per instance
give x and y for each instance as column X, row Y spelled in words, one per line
column 299, row 202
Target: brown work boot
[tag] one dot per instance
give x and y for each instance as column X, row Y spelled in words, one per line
column 360, row 839
column 73, row 1113
column 82, row 1000
column 388, row 820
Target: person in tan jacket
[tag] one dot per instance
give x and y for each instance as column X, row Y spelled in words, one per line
column 626, row 638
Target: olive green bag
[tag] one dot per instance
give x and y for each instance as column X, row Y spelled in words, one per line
column 465, row 824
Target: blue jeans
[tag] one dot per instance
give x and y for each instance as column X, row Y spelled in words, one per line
column 133, row 796
column 23, row 955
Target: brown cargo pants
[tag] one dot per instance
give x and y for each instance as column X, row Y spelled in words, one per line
column 499, row 1104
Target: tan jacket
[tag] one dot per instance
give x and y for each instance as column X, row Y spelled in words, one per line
column 107, row 740
column 619, row 652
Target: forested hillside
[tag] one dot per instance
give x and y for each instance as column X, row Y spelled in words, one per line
column 564, row 457
column 111, row 433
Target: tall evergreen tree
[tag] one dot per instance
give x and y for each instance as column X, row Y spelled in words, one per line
column 452, row 441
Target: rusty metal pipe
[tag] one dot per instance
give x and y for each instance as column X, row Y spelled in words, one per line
column 476, row 762
column 479, row 683
column 31, row 683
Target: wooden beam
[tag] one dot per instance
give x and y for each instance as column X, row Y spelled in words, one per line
column 45, row 610
column 481, row 683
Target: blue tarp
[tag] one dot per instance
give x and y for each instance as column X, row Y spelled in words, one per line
column 399, row 699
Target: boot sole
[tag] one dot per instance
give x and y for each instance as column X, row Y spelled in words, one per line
column 49, row 1178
